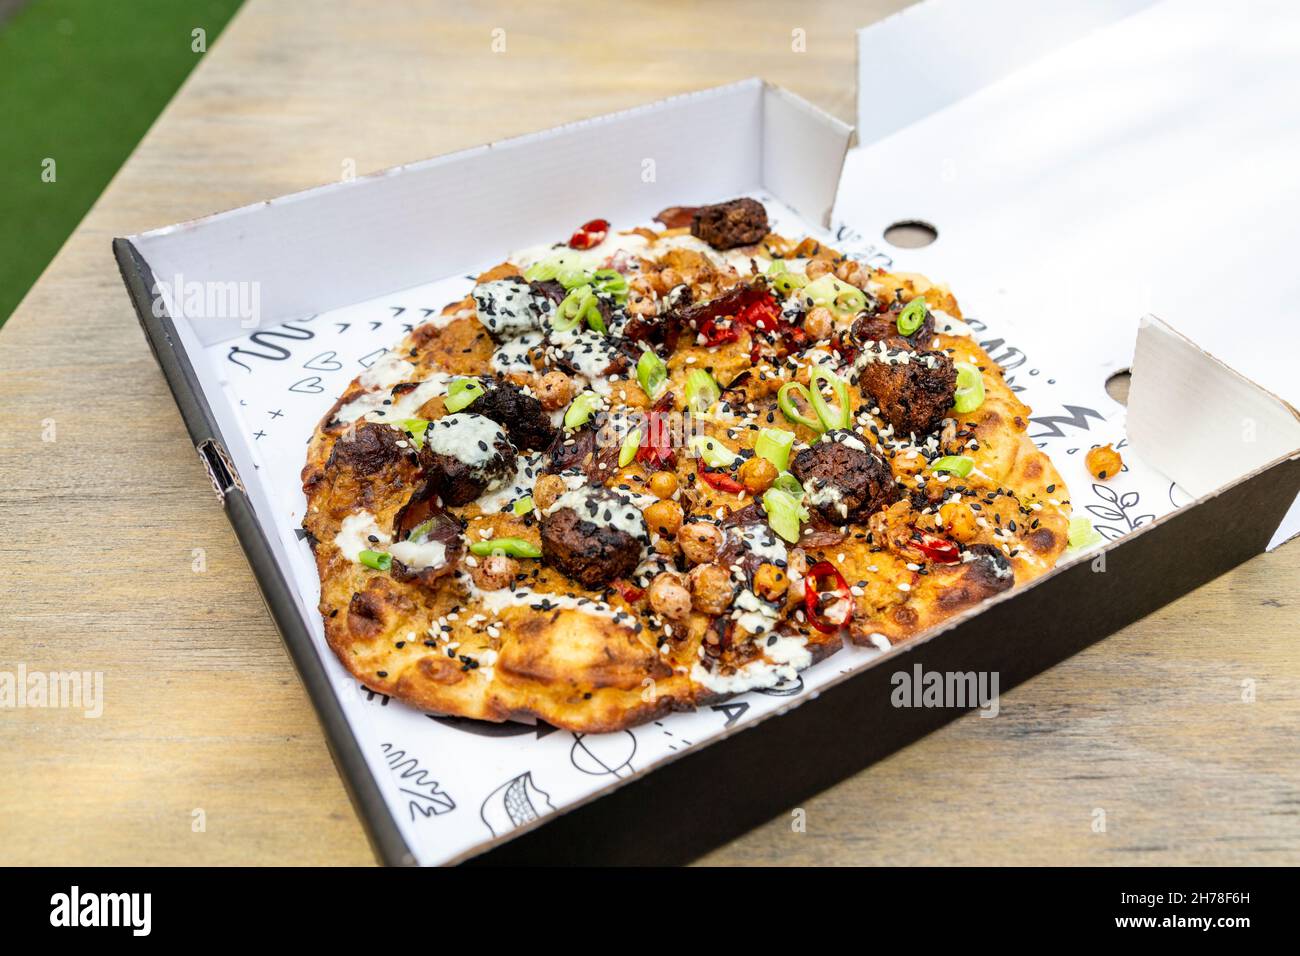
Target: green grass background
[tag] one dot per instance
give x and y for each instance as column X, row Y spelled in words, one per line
column 80, row 83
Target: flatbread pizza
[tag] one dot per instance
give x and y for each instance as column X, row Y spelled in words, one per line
column 641, row 470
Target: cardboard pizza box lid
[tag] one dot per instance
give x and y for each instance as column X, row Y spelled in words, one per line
column 1087, row 163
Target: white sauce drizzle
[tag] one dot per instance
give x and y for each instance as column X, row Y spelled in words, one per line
column 520, row 485
column 371, row 406
column 466, row 437
column 508, row 307
column 354, row 535
column 417, row 557
column 612, row 510
column 784, row 657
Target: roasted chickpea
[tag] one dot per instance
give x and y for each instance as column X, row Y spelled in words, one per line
column 663, row 517
column 819, row 323
column 638, row 304
column 817, row 268
column 711, row 589
column 700, row 541
column 494, row 572
column 667, row 547
column 546, row 490
column 669, row 597
column 554, row 390
column 663, row 484
column 757, row 475
column 1104, row 462
column 647, row 284
column 958, row 521
column 770, row 583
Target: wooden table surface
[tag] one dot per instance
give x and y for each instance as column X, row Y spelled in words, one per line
column 203, row 710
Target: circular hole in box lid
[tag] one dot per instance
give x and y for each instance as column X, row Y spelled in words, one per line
column 911, row 234
column 1117, row 385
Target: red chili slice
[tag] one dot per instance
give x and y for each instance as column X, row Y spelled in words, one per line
column 715, row 334
column 763, row 315
column 719, row 481
column 847, row 352
column 630, row 593
column 657, row 447
column 589, row 234
column 812, row 594
column 937, row 549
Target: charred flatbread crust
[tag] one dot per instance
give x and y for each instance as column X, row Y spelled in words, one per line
column 442, row 639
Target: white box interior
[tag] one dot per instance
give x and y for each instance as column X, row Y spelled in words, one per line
column 1086, row 163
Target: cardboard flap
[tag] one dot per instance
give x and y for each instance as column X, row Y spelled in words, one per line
column 803, row 152
column 1197, row 420
column 976, row 43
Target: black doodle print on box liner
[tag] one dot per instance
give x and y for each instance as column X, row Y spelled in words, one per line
column 514, row 803
column 599, row 755
column 424, row 796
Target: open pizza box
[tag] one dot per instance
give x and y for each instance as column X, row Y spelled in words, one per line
column 335, row 275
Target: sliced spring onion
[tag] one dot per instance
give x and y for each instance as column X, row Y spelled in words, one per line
column 523, row 506
column 565, row 269
column 569, row 313
column 790, row 410
column 379, row 560
column 573, row 277
column 652, row 373
column 959, row 465
column 701, row 390
column 542, row 271
column 461, row 393
column 912, row 316
column 842, row 415
column 714, row 453
column 627, row 451
column 418, row 533
column 783, row 280
column 595, row 318
column 581, row 409
column 774, row 444
column 580, row 305
column 1082, row 533
column 836, row 295
column 970, row 388
column 789, row 484
column 416, row 427
column 610, row 282
column 784, row 513
column 512, row 547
